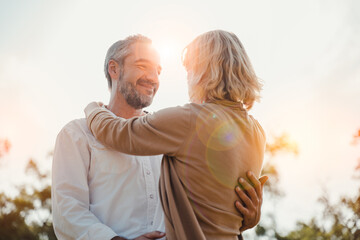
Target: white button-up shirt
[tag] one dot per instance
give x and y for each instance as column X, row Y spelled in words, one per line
column 98, row 193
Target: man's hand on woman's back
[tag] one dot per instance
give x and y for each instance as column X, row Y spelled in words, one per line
column 250, row 193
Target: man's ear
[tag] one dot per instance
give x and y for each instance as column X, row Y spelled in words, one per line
column 114, row 69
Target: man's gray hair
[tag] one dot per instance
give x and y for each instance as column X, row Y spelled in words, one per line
column 120, row 50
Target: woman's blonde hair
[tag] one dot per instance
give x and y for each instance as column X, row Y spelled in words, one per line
column 219, row 69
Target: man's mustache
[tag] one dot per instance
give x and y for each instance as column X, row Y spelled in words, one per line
column 144, row 81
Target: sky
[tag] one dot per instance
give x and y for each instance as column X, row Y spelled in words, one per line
column 306, row 52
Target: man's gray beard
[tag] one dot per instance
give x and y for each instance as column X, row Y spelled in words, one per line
column 132, row 96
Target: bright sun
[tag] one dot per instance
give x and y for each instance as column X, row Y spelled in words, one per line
column 168, row 51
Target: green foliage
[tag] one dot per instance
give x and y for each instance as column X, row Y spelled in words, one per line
column 340, row 221
column 20, row 216
column 277, row 145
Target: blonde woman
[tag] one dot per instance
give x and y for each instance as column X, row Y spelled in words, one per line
column 207, row 144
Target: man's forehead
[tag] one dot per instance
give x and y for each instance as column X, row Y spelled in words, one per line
column 144, row 51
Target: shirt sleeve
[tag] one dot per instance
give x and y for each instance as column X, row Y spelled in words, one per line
column 72, row 218
column 162, row 132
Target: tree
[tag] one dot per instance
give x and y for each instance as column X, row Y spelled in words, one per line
column 266, row 229
column 27, row 215
column 339, row 221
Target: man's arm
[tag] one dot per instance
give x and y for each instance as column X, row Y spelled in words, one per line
column 250, row 200
column 72, row 218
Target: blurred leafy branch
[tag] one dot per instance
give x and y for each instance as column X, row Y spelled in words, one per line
column 339, row 221
column 4, row 147
column 277, row 145
column 27, row 215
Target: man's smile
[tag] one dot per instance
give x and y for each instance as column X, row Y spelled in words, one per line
column 147, row 86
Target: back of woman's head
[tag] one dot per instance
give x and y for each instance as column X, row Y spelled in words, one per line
column 219, row 69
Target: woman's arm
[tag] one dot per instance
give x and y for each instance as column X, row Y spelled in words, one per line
column 160, row 133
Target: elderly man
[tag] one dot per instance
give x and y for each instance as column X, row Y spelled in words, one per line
column 98, row 193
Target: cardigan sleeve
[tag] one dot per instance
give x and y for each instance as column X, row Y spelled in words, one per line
column 162, row 132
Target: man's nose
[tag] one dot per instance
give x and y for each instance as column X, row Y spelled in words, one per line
column 153, row 76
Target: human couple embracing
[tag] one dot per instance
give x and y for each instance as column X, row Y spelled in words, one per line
column 185, row 172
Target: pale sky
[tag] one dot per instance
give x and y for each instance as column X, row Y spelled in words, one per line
column 306, row 52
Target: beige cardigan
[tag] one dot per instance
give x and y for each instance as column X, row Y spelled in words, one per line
column 206, row 148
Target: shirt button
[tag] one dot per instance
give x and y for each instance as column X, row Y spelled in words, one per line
column 148, row 172
column 152, row 223
column 151, row 196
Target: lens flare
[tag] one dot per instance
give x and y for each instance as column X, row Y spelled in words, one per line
column 215, row 134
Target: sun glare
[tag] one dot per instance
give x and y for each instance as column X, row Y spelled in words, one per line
column 168, row 51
